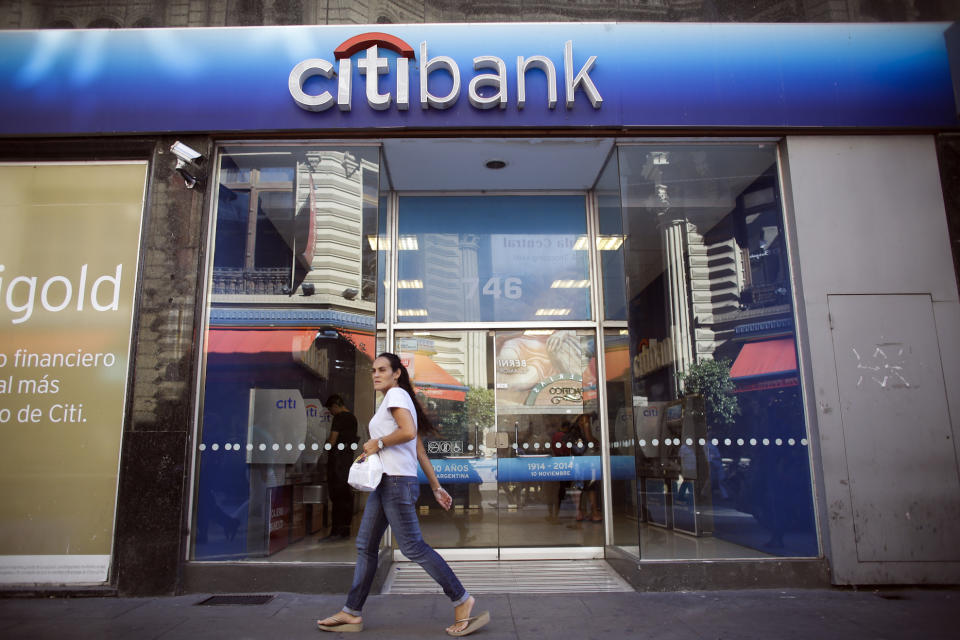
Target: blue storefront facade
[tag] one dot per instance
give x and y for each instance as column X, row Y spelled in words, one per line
column 676, row 295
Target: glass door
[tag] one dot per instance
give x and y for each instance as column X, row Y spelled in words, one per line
column 517, row 442
column 507, row 401
column 549, row 465
column 453, row 374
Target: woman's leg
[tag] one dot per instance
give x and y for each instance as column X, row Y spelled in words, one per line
column 399, row 505
column 372, row 526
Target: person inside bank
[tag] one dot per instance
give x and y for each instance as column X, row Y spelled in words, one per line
column 396, row 432
column 342, row 438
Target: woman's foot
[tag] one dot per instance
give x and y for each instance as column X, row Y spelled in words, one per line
column 464, row 624
column 341, row 622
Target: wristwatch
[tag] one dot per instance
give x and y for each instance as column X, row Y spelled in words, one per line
column 380, row 443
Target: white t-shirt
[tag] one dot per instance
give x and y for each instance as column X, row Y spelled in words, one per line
column 398, row 459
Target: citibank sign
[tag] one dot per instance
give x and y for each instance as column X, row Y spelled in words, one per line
column 493, row 84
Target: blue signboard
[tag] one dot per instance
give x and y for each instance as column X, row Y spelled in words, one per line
column 483, row 76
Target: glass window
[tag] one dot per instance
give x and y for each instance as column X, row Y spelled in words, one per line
column 610, row 242
column 287, row 393
column 624, row 498
column 720, row 439
column 492, row 258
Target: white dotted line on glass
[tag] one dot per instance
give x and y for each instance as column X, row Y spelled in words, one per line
column 232, row 446
column 714, row 441
column 536, row 445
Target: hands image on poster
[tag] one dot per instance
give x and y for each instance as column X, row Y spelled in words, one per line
column 527, row 363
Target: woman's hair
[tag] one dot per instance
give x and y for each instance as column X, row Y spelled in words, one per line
column 424, row 424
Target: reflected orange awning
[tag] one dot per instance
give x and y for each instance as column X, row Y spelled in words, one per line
column 617, row 363
column 366, row 343
column 259, row 341
column 765, row 358
column 435, row 382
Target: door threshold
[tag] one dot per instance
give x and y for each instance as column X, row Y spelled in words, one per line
column 514, row 553
column 527, row 576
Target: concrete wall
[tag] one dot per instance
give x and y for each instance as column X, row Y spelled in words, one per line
column 881, row 319
column 44, row 14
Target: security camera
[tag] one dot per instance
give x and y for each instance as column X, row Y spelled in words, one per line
column 188, row 163
column 186, row 154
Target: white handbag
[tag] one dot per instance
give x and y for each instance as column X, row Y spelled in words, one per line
column 365, row 472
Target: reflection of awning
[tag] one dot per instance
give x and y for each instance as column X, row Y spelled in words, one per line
column 294, row 317
column 617, row 363
column 365, row 343
column 765, row 359
column 434, row 382
column 256, row 341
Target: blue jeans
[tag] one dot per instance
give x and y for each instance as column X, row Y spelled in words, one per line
column 394, row 503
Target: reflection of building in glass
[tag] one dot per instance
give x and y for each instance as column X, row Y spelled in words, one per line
column 711, row 324
column 444, row 273
column 289, row 226
column 723, row 257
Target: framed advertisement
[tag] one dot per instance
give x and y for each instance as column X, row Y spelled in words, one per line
column 70, row 252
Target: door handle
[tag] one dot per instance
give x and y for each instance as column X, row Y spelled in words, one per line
column 497, row 440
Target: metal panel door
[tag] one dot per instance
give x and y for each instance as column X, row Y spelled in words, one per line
column 894, row 412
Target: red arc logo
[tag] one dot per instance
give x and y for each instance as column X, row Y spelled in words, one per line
column 371, row 38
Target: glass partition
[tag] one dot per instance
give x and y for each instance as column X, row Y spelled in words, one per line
column 610, row 242
column 624, row 498
column 720, row 439
column 291, row 326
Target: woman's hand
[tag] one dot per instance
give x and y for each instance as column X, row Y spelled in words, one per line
column 443, row 498
column 370, row 447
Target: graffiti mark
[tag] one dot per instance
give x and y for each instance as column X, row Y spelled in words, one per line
column 885, row 366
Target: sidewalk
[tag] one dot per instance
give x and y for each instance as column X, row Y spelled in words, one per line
column 927, row 614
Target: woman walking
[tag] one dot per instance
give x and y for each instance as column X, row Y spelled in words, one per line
column 395, row 433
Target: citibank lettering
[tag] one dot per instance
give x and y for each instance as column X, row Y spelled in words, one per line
column 373, row 65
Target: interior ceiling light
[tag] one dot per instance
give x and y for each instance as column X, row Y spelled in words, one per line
column 407, row 243
column 604, row 243
column 412, row 312
column 570, row 284
column 553, row 312
column 409, row 284
column 495, row 164
column 538, row 332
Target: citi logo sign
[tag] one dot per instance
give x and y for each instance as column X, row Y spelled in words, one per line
column 373, row 65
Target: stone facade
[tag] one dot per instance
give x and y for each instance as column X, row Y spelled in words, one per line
column 73, row 14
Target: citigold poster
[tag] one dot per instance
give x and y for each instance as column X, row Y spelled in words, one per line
column 68, row 266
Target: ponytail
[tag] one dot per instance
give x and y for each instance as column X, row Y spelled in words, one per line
column 424, row 424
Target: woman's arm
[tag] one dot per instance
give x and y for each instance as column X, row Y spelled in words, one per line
column 443, row 498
